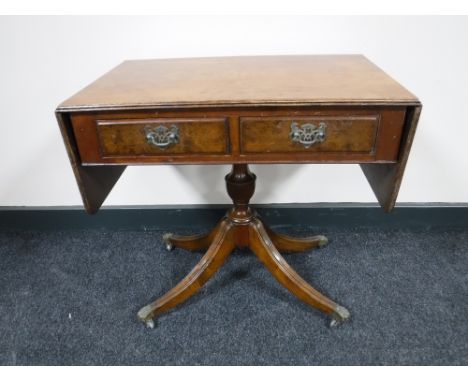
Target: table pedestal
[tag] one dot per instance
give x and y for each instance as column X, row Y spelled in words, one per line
column 242, row 228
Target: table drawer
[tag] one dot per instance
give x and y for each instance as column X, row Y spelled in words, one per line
column 371, row 136
column 102, row 139
column 306, row 134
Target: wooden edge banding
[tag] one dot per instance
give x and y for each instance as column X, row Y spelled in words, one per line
column 228, row 104
column 94, row 182
column 385, row 179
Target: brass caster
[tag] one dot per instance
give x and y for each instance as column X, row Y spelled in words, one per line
column 149, row 324
column 167, row 241
column 323, row 241
column 340, row 315
column 145, row 316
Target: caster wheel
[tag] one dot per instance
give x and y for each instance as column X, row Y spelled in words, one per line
column 323, row 241
column 340, row 315
column 145, row 315
column 150, row 324
column 167, row 241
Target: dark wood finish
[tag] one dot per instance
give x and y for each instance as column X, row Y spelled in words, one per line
column 94, row 183
column 240, row 186
column 127, row 138
column 191, row 242
column 347, row 134
column 242, row 228
column 239, row 110
column 286, row 243
column 219, row 250
column 224, row 136
column 385, row 179
column 262, row 246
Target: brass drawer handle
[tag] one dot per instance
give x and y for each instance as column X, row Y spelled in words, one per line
column 308, row 134
column 161, row 136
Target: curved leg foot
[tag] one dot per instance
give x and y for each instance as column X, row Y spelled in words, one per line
column 286, row 243
column 192, row 242
column 340, row 315
column 222, row 245
column 262, row 246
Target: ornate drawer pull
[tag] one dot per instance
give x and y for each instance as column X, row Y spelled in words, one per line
column 308, row 134
column 162, row 136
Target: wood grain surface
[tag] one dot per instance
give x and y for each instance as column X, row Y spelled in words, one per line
column 355, row 134
column 128, row 137
column 101, row 124
column 227, row 81
column 241, row 110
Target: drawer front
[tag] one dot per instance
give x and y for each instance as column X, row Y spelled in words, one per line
column 316, row 134
column 308, row 135
column 162, row 137
column 117, row 138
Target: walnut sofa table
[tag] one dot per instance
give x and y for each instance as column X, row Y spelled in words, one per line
column 240, row 110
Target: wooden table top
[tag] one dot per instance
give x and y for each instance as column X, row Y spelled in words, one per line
column 241, row 81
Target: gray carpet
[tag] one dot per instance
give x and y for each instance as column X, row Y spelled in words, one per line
column 71, row 297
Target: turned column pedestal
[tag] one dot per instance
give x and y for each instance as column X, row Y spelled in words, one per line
column 242, row 228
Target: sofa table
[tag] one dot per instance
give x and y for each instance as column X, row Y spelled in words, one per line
column 240, row 111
